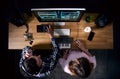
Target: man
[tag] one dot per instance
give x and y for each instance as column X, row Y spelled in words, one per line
column 36, row 66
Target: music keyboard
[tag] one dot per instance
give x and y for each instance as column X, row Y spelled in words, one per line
column 64, row 46
column 64, row 42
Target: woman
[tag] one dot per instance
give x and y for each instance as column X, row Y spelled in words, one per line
column 78, row 62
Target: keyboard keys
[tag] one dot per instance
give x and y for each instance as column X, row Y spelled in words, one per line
column 64, row 42
column 61, row 32
column 62, row 46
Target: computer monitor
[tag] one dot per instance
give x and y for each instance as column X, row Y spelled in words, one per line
column 58, row 15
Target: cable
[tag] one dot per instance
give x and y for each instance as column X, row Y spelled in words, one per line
column 77, row 29
column 27, row 28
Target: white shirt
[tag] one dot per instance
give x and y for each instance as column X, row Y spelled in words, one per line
column 72, row 56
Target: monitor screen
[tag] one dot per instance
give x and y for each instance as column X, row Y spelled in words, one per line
column 58, row 14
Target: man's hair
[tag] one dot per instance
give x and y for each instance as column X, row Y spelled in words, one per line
column 84, row 64
column 31, row 66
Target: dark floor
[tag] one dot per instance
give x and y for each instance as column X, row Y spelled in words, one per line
column 107, row 66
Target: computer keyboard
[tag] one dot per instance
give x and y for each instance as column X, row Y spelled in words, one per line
column 61, row 32
column 64, row 42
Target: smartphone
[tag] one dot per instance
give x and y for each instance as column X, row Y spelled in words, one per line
column 91, row 35
column 42, row 28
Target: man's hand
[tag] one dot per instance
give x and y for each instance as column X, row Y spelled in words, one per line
column 28, row 53
column 50, row 32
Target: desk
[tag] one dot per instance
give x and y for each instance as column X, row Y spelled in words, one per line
column 103, row 38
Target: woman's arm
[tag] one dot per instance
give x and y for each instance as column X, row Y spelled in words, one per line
column 82, row 47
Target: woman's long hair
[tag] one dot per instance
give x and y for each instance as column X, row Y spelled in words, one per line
column 82, row 69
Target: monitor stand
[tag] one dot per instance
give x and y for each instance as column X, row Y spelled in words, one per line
column 59, row 23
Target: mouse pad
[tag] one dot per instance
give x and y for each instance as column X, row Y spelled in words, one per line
column 42, row 28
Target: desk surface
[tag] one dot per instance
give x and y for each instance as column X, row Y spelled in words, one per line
column 103, row 38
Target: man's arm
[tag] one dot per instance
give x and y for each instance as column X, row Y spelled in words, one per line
column 26, row 52
column 82, row 47
column 55, row 54
column 50, row 32
column 53, row 57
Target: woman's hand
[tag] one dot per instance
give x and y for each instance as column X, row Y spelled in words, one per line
column 82, row 47
column 79, row 44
